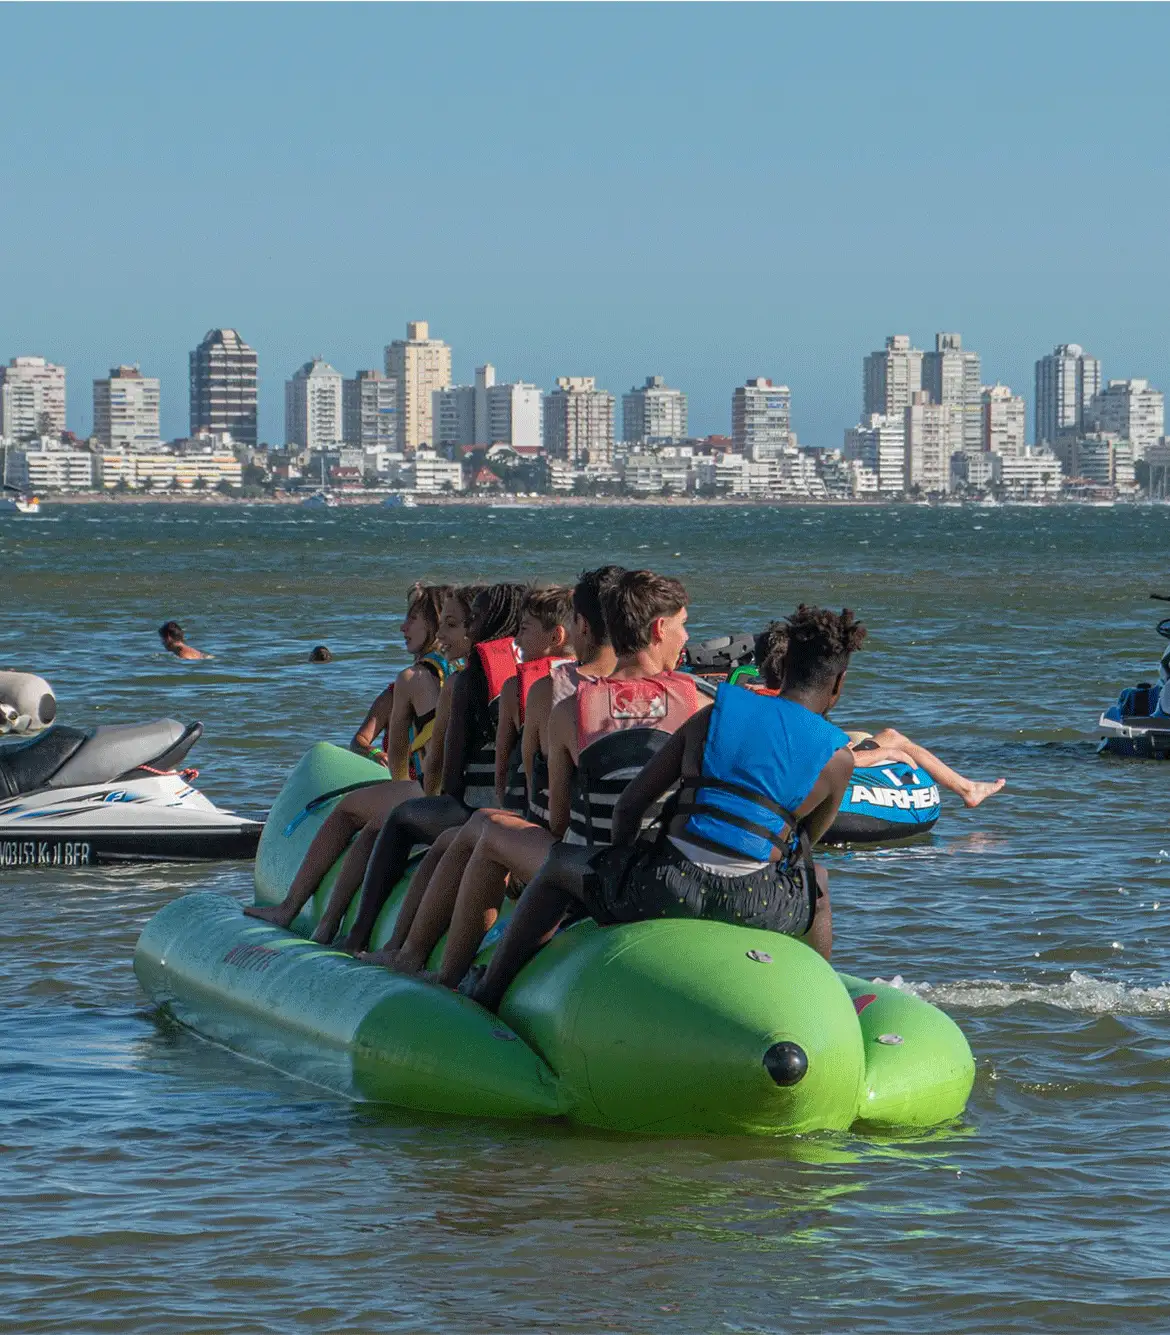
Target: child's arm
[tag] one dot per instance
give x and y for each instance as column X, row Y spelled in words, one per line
column 535, row 722
column 656, row 776
column 436, row 748
column 398, row 750
column 562, row 765
column 374, row 722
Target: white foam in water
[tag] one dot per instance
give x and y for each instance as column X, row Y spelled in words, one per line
column 1090, row 996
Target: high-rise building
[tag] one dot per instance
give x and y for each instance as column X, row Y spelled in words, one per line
column 891, row 377
column 654, row 412
column 578, row 422
column 1004, row 421
column 453, row 416
column 369, row 411
column 1065, row 384
column 313, row 417
column 223, row 387
column 1130, row 410
column 125, row 410
column 420, row 365
column 930, row 442
column 951, row 375
column 32, row 399
column 761, row 419
column 879, row 443
column 488, row 414
column 514, row 415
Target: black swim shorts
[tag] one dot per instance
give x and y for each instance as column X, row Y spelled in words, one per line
column 655, row 880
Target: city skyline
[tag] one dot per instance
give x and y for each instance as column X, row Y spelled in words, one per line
column 682, row 257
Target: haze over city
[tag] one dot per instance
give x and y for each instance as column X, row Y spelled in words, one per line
column 706, row 194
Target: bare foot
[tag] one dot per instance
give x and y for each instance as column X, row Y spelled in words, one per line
column 385, row 956
column 979, row 792
column 325, row 933
column 273, row 913
column 408, row 962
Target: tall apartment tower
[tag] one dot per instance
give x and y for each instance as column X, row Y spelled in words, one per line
column 313, row 417
column 951, row 375
column 930, row 441
column 369, row 411
column 578, row 421
column 487, row 414
column 761, row 419
column 514, row 415
column 420, row 365
column 1131, row 410
column 1004, row 421
column 32, row 398
column 891, row 377
column 879, row 443
column 125, row 411
column 223, row 386
column 1065, row 384
column 654, row 412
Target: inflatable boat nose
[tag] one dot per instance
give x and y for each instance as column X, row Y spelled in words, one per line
column 786, row 1063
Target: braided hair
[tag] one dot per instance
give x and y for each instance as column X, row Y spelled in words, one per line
column 811, row 648
column 495, row 615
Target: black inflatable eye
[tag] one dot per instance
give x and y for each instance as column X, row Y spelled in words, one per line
column 786, row 1063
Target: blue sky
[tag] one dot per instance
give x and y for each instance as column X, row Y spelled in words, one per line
column 703, row 192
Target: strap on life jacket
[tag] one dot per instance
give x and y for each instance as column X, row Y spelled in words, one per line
column 687, row 803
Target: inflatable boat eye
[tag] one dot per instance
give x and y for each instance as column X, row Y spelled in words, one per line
column 47, row 709
column 786, row 1063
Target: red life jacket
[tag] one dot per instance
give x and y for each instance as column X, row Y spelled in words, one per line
column 621, row 723
column 498, row 659
column 528, row 673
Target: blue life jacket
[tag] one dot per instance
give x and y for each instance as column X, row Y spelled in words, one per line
column 762, row 758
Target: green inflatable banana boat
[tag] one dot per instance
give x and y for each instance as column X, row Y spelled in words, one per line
column 670, row 1027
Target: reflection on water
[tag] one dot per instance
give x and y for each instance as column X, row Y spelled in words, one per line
column 154, row 1181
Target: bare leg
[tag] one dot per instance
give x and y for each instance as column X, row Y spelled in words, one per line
column 820, row 932
column 508, row 846
column 972, row 791
column 363, row 807
column 413, row 897
column 417, row 822
column 549, row 893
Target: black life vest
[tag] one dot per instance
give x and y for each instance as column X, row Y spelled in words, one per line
column 498, row 660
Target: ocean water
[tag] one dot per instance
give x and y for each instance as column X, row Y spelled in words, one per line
column 150, row 1181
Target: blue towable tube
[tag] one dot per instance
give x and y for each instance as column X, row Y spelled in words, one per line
column 886, row 804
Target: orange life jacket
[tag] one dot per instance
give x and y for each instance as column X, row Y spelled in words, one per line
column 528, row 673
column 498, row 660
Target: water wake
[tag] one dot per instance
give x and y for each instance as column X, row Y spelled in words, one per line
column 1089, row 996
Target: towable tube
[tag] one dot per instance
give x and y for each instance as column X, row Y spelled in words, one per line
column 668, row 1027
column 884, row 805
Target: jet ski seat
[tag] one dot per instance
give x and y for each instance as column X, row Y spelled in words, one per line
column 72, row 757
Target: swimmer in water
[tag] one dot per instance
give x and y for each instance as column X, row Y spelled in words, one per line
column 171, row 634
column 321, row 654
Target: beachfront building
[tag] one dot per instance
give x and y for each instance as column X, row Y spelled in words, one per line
column 45, row 464
column 654, row 412
column 157, row 471
column 313, row 406
column 930, row 440
column 951, row 376
column 1066, row 382
column 578, row 422
column 223, row 371
column 1033, row 474
column 890, row 377
column 32, row 399
column 434, row 474
column 369, row 411
column 761, row 419
column 879, row 444
column 420, row 365
column 1130, row 410
column 125, row 410
column 1004, row 421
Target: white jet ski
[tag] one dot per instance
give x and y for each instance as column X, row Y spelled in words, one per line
column 76, row 797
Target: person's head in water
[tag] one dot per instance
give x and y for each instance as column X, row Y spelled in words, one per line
column 807, row 654
column 455, row 620
column 544, row 622
column 495, row 614
column 645, row 612
column 321, row 654
column 171, row 634
column 424, row 608
column 588, row 632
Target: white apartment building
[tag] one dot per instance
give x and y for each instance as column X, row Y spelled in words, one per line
column 578, row 422
column 951, row 375
column 1130, row 410
column 1099, row 459
column 420, row 365
column 32, row 399
column 223, row 373
column 879, row 443
column 515, row 416
column 369, row 411
column 975, row 472
column 313, row 411
column 453, row 416
column 761, row 419
column 1066, row 382
column 1034, row 473
column 930, row 442
column 434, row 474
column 143, row 471
column 890, row 377
column 488, row 414
column 125, row 410
column 1004, row 421
column 654, row 412
column 47, row 465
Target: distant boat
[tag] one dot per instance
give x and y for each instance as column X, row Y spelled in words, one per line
column 319, row 500
column 400, row 500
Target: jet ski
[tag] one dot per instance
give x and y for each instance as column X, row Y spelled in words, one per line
column 1138, row 725
column 77, row 797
